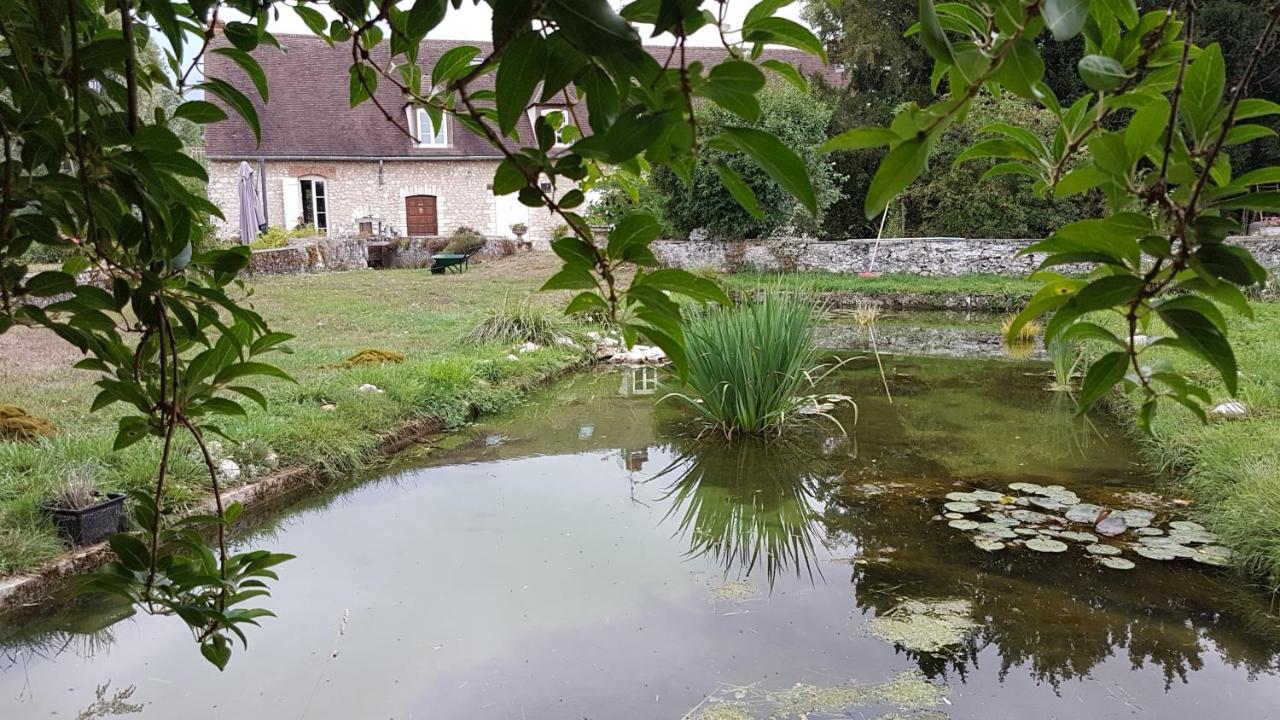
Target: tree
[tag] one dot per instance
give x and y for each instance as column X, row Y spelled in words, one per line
column 1150, row 135
column 958, row 199
column 89, row 163
column 794, row 116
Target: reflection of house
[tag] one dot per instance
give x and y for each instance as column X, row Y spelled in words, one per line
column 326, row 164
column 642, row 380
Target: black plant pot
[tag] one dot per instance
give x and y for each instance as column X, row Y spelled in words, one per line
column 90, row 525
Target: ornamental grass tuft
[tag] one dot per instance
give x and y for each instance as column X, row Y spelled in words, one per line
column 750, row 363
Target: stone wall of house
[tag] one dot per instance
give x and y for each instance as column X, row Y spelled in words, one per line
column 370, row 188
column 315, row 256
column 920, row 256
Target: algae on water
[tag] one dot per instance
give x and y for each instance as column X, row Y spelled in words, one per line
column 930, row 627
column 910, row 694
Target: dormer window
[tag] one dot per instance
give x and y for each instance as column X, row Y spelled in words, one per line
column 427, row 134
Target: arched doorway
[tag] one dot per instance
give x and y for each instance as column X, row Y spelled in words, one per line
column 420, row 215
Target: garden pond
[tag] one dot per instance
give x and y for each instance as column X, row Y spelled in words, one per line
column 587, row 557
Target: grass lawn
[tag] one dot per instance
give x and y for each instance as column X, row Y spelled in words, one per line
column 1008, row 293
column 334, row 315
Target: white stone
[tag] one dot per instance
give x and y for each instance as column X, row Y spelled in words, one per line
column 512, row 357
column 229, row 469
column 530, row 347
column 368, row 388
column 566, row 342
column 1230, row 410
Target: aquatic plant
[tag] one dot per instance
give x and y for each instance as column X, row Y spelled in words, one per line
column 519, row 322
column 1021, row 344
column 746, row 505
column 867, row 315
column 1066, row 358
column 749, row 364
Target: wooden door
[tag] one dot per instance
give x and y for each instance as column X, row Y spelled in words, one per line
column 420, row 215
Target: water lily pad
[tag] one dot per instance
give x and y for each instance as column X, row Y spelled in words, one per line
column 1116, row 563
column 1046, row 545
column 1025, row 531
column 1187, row 525
column 1149, row 531
column 1152, row 552
column 987, row 495
column 964, row 525
column 1002, row 519
column 953, row 516
column 1029, row 516
column 1078, row 536
column 961, row 497
column 1100, row 549
column 1084, row 513
column 987, row 543
column 1138, row 518
column 1046, row 503
column 961, row 507
column 1025, row 487
column 1111, row 525
column 1212, row 555
column 1191, row 537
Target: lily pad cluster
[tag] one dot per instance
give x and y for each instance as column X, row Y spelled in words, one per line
column 1052, row 519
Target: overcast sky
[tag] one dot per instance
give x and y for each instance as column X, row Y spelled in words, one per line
column 472, row 22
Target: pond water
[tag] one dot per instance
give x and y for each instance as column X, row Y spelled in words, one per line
column 586, row 558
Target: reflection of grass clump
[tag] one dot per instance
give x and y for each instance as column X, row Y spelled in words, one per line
column 928, row 627
column 17, row 424
column 1022, row 345
column 372, row 357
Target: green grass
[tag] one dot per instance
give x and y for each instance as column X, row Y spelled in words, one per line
column 334, row 315
column 748, row 362
column 1005, row 293
column 1231, row 469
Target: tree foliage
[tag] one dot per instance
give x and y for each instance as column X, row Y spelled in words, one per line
column 799, row 120
column 1153, row 134
column 93, row 160
column 958, row 200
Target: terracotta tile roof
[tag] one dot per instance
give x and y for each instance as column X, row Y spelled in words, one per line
column 309, row 114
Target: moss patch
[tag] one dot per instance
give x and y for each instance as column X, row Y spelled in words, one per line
column 17, row 424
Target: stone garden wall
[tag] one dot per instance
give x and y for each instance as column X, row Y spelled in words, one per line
column 348, row 254
column 920, row 256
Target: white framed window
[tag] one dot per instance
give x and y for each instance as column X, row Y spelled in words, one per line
column 315, row 202
column 428, row 136
column 558, row 122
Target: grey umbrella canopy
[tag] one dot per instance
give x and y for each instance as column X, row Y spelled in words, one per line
column 251, row 217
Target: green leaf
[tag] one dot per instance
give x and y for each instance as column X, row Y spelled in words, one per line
column 313, row 19
column 522, row 67
column 932, row 35
column 200, row 112
column 217, row 651
column 1261, row 176
column 586, row 302
column 571, row 278
column 1101, row 73
column 996, row 148
column 1255, row 107
column 1051, row 296
column 1065, row 18
column 739, row 189
column 637, row 228
column 788, row 72
column 859, row 138
column 1202, row 92
column 1201, row 336
column 453, row 64
column 776, row 159
column 364, row 82
column 243, row 369
column 1241, row 134
column 687, row 284
column 1147, row 127
column 897, row 170
column 1082, row 179
column 781, row 31
column 593, row 26
column 49, row 283
column 133, row 553
column 1115, row 237
column 237, row 101
column 1102, row 375
column 733, row 86
column 131, row 430
column 250, row 67
column 1022, row 69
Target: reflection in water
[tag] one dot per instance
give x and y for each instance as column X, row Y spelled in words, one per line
column 588, row 534
column 747, row 503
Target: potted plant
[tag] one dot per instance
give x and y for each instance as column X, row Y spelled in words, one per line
column 519, row 230
column 84, row 515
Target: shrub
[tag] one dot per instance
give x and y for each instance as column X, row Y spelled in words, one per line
column 274, row 237
column 800, row 121
column 464, row 239
column 504, row 248
column 749, row 362
column 955, row 200
column 516, row 323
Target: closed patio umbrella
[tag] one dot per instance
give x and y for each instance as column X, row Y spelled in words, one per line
column 251, row 216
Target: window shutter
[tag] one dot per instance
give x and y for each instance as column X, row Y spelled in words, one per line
column 292, row 202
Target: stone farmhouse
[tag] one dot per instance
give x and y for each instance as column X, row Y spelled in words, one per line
column 352, row 172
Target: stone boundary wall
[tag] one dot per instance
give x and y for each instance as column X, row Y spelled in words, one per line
column 322, row 254
column 919, row 256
